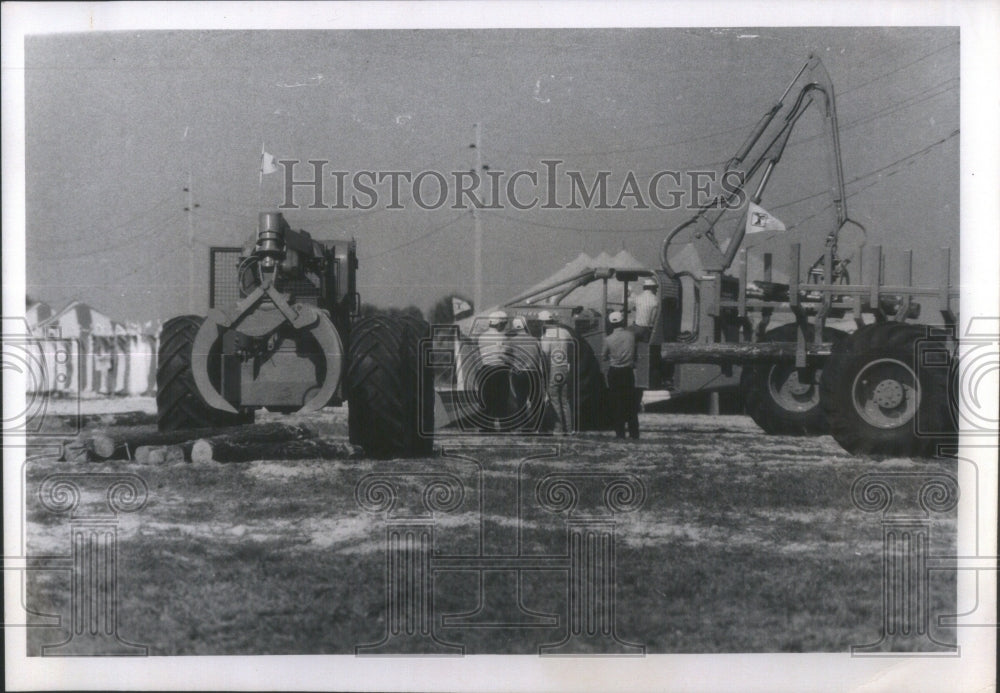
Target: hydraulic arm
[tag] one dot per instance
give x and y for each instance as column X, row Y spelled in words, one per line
column 765, row 145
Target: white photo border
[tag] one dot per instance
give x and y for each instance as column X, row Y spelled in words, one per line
column 979, row 23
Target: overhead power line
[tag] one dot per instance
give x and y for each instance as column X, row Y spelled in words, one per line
column 909, row 156
column 84, row 234
column 653, row 229
column 716, row 133
column 410, row 242
column 889, row 110
column 829, row 205
column 112, row 248
column 900, row 68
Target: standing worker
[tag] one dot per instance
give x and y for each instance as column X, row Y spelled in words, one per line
column 647, row 310
column 525, row 352
column 619, row 353
column 494, row 370
column 557, row 349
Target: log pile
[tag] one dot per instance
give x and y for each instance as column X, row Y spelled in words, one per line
column 159, row 454
column 229, row 448
column 72, row 423
column 145, row 444
column 123, row 418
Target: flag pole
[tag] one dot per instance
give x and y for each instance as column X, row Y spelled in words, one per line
column 477, row 268
column 190, row 241
column 260, row 179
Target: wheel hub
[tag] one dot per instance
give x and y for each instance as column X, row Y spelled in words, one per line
column 790, row 392
column 796, row 386
column 888, row 394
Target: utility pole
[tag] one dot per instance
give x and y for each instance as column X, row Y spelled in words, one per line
column 190, row 243
column 478, row 233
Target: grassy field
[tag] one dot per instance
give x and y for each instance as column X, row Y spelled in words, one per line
column 744, row 543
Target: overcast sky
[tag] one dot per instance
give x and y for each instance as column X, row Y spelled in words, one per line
column 117, row 121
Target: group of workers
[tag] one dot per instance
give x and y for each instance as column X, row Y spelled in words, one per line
column 537, row 371
column 514, row 361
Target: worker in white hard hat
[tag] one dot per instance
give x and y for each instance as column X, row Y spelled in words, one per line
column 526, row 375
column 559, row 359
column 647, row 314
column 493, row 370
column 619, row 353
column 647, row 309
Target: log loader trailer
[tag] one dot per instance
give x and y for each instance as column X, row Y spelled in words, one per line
column 282, row 333
column 885, row 385
column 880, row 385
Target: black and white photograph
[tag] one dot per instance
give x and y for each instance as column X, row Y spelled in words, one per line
column 500, row 346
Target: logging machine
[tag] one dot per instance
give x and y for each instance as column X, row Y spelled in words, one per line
column 880, row 385
column 282, row 333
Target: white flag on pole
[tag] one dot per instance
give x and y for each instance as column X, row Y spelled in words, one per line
column 267, row 163
column 759, row 219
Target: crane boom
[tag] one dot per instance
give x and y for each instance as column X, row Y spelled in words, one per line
column 699, row 230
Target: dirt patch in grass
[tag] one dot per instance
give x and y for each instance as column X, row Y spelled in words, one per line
column 744, row 543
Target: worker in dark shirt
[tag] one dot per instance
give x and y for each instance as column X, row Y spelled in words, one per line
column 619, row 354
column 526, row 379
column 493, row 372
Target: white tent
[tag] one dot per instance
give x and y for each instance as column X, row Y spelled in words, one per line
column 94, row 354
column 37, row 312
column 686, row 259
column 142, row 358
column 591, row 295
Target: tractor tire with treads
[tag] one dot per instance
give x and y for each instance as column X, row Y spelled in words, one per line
column 390, row 394
column 775, row 398
column 591, row 390
column 879, row 400
column 178, row 404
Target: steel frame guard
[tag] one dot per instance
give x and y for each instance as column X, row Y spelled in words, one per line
column 301, row 316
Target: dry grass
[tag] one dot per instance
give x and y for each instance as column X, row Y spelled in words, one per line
column 746, row 543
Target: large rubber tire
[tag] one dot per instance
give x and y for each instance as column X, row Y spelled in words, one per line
column 390, row 394
column 878, row 399
column 178, row 403
column 591, row 389
column 776, row 400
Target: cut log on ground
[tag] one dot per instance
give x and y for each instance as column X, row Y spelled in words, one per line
column 78, row 450
column 122, row 443
column 124, row 418
column 159, row 454
column 231, row 449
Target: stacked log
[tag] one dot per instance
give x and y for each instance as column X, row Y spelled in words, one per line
column 124, row 418
column 235, row 448
column 159, row 454
column 124, row 443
